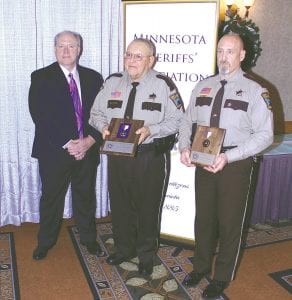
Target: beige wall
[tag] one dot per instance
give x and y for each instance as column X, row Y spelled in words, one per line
column 274, row 19
column 274, row 66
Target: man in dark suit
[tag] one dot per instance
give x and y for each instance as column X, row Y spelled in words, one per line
column 65, row 145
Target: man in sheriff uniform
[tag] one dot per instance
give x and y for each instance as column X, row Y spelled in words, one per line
column 222, row 188
column 137, row 186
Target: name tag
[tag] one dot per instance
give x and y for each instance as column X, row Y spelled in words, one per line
column 114, row 103
column 151, row 106
column 236, row 104
column 201, row 101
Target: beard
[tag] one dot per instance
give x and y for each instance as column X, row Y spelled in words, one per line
column 223, row 67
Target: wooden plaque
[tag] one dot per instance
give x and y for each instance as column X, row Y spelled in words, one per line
column 206, row 145
column 122, row 139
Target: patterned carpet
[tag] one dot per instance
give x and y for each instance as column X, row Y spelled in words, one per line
column 268, row 234
column 9, row 289
column 123, row 281
column 284, row 278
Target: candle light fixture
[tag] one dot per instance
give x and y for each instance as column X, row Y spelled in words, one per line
column 248, row 4
column 231, row 12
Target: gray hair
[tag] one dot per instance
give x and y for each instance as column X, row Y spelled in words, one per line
column 76, row 35
column 150, row 45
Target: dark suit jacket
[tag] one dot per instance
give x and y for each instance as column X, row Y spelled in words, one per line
column 52, row 110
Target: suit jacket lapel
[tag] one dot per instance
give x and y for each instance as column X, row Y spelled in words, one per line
column 84, row 87
column 62, row 86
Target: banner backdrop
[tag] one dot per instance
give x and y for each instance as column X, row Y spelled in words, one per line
column 185, row 35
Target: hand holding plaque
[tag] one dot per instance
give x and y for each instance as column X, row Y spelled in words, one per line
column 206, row 145
column 122, row 139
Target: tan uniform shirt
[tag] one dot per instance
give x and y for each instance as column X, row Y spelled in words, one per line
column 157, row 102
column 245, row 114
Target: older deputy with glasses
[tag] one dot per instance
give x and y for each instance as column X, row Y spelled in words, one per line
column 137, row 185
column 60, row 98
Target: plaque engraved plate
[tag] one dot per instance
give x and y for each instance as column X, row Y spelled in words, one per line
column 122, row 139
column 206, row 145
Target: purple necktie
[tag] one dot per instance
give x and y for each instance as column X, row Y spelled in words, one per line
column 77, row 104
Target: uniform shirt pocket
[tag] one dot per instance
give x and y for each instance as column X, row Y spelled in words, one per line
column 151, row 106
column 236, row 104
column 201, row 101
column 114, row 103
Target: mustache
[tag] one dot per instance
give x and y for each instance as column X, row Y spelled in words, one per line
column 223, row 62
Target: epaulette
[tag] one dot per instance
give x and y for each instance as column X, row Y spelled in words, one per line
column 168, row 81
column 265, row 94
column 211, row 76
column 253, row 78
column 249, row 76
column 114, row 75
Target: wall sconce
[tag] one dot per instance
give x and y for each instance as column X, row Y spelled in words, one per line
column 248, row 4
column 231, row 12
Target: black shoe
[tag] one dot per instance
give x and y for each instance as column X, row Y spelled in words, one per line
column 93, row 248
column 40, row 253
column 193, row 279
column 116, row 259
column 145, row 269
column 214, row 289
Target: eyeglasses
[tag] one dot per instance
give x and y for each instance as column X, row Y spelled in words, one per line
column 136, row 57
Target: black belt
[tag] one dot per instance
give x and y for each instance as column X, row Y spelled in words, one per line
column 146, row 147
column 160, row 145
column 224, row 149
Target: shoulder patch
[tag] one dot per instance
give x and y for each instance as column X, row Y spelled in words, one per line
column 267, row 99
column 168, row 81
column 115, row 75
column 176, row 99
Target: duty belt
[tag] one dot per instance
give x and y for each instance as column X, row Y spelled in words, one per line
column 146, row 147
column 160, row 145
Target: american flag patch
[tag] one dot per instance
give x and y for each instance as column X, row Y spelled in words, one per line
column 205, row 91
column 115, row 94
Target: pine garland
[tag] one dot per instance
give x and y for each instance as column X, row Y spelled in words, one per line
column 248, row 31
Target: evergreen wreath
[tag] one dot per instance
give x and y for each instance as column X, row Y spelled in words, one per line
column 248, row 31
